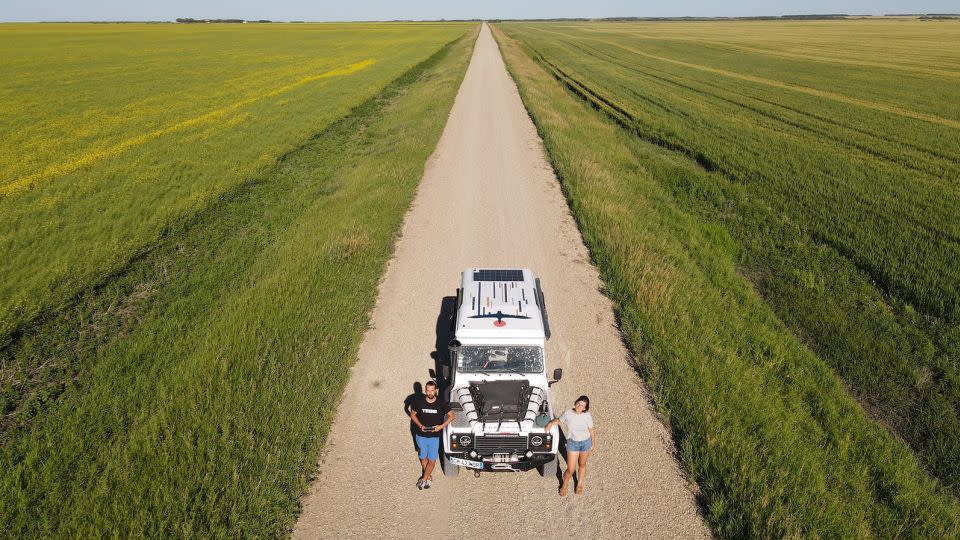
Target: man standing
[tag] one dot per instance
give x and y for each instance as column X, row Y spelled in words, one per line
column 431, row 414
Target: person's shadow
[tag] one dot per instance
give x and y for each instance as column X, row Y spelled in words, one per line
column 407, row 404
column 562, row 461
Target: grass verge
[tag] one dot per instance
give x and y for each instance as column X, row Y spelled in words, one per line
column 763, row 426
column 197, row 387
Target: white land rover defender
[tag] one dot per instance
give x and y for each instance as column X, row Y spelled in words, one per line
column 498, row 386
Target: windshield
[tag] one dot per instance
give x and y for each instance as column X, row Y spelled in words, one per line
column 499, row 359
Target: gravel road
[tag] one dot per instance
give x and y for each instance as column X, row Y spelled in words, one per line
column 489, row 198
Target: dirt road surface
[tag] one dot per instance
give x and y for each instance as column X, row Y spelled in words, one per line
column 489, row 198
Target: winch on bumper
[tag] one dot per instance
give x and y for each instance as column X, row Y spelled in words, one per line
column 500, row 452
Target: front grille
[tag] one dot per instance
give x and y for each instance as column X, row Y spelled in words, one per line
column 500, row 444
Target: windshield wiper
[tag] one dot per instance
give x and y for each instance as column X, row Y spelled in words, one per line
column 511, row 370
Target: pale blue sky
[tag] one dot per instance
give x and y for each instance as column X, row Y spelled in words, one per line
column 345, row 10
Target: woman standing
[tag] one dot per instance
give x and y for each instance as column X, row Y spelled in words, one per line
column 581, row 441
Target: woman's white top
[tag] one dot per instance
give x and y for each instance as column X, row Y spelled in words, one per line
column 578, row 425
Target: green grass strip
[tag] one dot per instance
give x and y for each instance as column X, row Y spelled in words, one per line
column 199, row 385
column 764, row 428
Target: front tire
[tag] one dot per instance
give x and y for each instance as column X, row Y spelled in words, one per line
column 449, row 469
column 548, row 469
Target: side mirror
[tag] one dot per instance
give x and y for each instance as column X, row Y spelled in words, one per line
column 557, row 374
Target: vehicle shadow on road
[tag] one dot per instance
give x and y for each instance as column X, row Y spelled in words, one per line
column 440, row 355
column 407, row 403
column 444, row 333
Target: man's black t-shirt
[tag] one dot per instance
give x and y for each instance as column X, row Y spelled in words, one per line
column 430, row 414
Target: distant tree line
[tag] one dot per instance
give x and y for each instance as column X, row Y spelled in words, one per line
column 818, row 16
column 188, row 20
column 695, row 18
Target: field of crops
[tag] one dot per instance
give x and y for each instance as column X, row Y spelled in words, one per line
column 785, row 201
column 193, row 220
column 116, row 135
column 141, row 125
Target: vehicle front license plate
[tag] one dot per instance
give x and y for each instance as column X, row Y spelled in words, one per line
column 466, row 463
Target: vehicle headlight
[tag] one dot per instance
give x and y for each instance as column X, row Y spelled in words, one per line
column 541, row 442
column 461, row 441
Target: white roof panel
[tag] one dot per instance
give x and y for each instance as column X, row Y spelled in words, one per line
column 499, row 303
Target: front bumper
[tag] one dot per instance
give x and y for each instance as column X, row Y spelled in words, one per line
column 521, row 464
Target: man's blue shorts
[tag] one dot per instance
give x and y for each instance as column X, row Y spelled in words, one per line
column 429, row 447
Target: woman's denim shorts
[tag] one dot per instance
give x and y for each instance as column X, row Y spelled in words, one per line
column 579, row 446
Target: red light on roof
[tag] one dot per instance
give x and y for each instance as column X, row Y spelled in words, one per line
column 499, row 324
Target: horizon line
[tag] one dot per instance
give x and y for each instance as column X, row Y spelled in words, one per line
column 229, row 20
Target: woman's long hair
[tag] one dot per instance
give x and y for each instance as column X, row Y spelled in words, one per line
column 584, row 399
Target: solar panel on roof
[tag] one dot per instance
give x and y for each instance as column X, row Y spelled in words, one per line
column 498, row 275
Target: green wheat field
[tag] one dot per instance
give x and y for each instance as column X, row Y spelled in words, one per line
column 774, row 207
